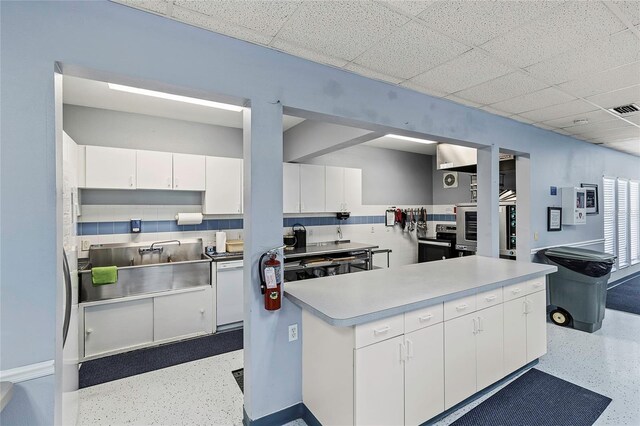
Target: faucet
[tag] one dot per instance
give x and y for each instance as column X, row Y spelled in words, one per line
column 153, row 249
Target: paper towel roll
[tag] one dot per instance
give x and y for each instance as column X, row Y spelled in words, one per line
column 221, row 242
column 189, row 218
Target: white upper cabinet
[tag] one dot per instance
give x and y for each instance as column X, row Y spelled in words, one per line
column 110, row 168
column 189, row 172
column 312, row 188
column 334, row 189
column 290, row 188
column 352, row 189
column 154, row 170
column 223, row 193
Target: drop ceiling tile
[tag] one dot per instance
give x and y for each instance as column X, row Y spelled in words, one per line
column 617, row 50
column 496, row 111
column 570, row 25
column 630, row 146
column 456, row 99
column 157, row 6
column 190, row 17
column 596, row 116
column 501, row 88
column 422, row 89
column 341, row 29
column 467, row 70
column 521, row 119
column 303, row 52
column 631, row 9
column 535, row 100
column 367, row 72
column 476, row 22
column 410, row 51
column 262, row 16
column 635, row 118
column 617, row 97
column 626, row 132
column 411, row 7
column 607, row 81
column 543, row 126
column 602, row 126
column 558, row 111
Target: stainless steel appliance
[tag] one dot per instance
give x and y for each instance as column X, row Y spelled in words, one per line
column 229, row 294
column 464, row 159
column 443, row 246
column 467, row 228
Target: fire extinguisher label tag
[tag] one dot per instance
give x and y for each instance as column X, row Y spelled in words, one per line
column 270, row 277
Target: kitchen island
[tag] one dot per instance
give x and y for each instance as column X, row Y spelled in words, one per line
column 403, row 345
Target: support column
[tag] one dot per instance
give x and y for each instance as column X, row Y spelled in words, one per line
column 523, row 209
column 488, row 192
column 272, row 365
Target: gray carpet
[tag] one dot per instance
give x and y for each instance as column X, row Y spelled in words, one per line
column 538, row 399
column 625, row 297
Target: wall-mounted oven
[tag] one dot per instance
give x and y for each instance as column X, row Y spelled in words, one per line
column 467, row 228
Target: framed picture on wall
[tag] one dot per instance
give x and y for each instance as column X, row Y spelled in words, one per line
column 554, row 219
column 592, row 197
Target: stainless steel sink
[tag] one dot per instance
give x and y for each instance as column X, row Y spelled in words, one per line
column 142, row 271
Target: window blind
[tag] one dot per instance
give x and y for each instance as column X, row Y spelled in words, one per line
column 634, row 221
column 623, row 223
column 609, row 188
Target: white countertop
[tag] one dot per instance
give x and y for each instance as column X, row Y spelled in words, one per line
column 350, row 299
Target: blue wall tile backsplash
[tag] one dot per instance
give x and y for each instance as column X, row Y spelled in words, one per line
column 106, row 228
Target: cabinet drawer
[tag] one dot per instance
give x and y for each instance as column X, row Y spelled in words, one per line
column 421, row 318
column 489, row 298
column 380, row 330
column 514, row 291
column 537, row 284
column 459, row 307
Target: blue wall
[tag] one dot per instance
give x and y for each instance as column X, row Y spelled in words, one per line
column 102, row 39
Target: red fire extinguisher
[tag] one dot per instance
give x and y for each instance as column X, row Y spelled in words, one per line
column 270, row 280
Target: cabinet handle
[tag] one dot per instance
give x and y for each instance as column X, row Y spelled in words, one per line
column 168, row 182
column 537, row 285
column 480, row 326
column 403, row 356
column 475, row 326
column 526, row 307
column 490, row 298
column 425, row 317
column 89, row 331
column 201, row 311
column 516, row 290
column 382, row 330
column 409, row 349
column 130, row 181
column 462, row 307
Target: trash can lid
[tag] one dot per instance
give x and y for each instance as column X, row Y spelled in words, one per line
column 576, row 253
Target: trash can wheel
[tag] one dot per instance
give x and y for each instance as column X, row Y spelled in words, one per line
column 560, row 317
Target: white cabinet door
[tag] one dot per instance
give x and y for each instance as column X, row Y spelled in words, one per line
column 189, row 172
column 379, row 383
column 334, row 189
column 223, row 193
column 290, row 188
column 460, row 359
column 515, row 334
column 489, row 346
column 110, row 168
column 312, row 188
column 154, row 170
column 183, row 314
column 536, row 305
column 352, row 189
column 424, row 374
column 119, row 325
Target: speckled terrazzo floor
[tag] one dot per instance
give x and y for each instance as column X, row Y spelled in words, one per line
column 205, row 392
column 606, row 362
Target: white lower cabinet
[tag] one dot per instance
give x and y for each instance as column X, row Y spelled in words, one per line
column 115, row 326
column 489, row 347
column 525, row 329
column 379, row 383
column 182, row 314
column 460, row 359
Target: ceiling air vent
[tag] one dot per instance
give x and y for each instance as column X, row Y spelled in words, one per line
column 626, row 109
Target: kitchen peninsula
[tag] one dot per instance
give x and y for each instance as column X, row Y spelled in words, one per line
column 402, row 345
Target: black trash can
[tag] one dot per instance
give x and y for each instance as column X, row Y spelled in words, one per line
column 578, row 289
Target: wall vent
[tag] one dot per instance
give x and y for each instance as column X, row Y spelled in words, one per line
column 625, row 109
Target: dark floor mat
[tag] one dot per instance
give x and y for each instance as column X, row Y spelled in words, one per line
column 239, row 376
column 625, row 297
column 538, row 399
column 140, row 361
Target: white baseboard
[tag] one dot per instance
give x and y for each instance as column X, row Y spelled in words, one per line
column 28, row 372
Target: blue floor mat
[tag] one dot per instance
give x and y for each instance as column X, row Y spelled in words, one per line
column 538, row 399
column 625, row 297
column 140, row 361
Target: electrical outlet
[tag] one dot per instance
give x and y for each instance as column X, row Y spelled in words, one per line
column 293, row 332
column 85, row 245
column 373, row 230
column 239, row 235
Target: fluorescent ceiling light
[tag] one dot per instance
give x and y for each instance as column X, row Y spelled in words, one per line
column 407, row 138
column 172, row 97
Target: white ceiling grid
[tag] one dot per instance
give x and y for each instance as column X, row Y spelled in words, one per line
column 545, row 63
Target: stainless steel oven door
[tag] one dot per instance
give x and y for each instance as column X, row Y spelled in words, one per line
column 467, row 228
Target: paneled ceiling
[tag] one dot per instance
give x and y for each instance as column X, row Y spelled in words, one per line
column 559, row 65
